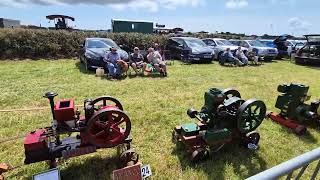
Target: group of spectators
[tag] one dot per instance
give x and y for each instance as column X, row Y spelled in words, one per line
column 116, row 66
column 239, row 58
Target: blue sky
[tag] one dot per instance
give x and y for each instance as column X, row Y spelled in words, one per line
column 241, row 16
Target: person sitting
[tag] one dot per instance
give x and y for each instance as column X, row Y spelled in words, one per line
column 136, row 60
column 113, row 61
column 157, row 47
column 252, row 55
column 155, row 59
column 228, row 57
column 241, row 56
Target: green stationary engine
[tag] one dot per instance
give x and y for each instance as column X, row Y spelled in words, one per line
column 293, row 110
column 225, row 117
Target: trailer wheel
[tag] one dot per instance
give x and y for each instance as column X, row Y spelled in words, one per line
column 129, row 158
column 199, row 154
column 251, row 138
column 300, row 130
column 175, row 136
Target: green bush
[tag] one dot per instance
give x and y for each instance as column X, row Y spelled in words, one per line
column 35, row 44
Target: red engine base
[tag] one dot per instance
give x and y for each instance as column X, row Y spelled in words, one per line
column 289, row 123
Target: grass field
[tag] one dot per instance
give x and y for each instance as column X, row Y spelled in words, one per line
column 155, row 105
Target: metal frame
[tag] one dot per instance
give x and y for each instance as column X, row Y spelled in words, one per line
column 287, row 168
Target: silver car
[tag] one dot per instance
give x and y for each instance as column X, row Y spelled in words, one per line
column 263, row 51
column 219, row 45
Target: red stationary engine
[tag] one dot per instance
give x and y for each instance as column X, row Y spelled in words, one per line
column 104, row 125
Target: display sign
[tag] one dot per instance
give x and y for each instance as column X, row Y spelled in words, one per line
column 128, row 173
column 146, row 171
column 52, row 174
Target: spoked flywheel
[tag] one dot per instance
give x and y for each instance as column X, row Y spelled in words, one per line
column 231, row 92
column 250, row 115
column 104, row 101
column 108, row 128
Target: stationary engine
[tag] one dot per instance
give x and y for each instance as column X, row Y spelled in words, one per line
column 104, row 125
column 294, row 112
column 224, row 118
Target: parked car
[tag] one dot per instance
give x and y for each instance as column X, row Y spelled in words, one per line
column 267, row 53
column 93, row 51
column 310, row 52
column 268, row 43
column 294, row 45
column 219, row 45
column 290, row 45
column 193, row 49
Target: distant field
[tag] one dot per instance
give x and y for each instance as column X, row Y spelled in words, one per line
column 155, row 105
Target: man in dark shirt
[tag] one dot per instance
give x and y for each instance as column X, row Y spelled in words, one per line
column 136, row 60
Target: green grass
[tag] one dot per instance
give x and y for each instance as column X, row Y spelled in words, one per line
column 155, row 106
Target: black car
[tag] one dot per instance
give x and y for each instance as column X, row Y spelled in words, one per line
column 93, row 51
column 310, row 52
column 190, row 49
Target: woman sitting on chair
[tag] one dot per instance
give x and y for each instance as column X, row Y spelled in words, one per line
column 155, row 59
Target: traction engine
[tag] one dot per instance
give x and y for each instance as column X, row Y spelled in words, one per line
column 103, row 125
column 294, row 112
column 225, row 118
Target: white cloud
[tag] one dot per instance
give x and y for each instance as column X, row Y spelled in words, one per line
column 173, row 4
column 236, row 4
column 149, row 5
column 154, row 5
column 298, row 24
column 60, row 2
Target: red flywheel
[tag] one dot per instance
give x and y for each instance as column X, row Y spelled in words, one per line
column 108, row 128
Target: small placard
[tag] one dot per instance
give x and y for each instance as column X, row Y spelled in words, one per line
column 128, row 173
column 146, row 171
column 52, row 174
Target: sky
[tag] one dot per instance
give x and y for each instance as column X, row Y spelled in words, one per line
column 296, row 17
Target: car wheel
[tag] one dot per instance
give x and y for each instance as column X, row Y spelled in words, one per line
column 81, row 61
column 86, row 65
column 209, row 61
column 219, row 55
column 268, row 59
column 299, row 61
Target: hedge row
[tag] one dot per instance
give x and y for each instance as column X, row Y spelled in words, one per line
column 51, row 44
column 34, row 44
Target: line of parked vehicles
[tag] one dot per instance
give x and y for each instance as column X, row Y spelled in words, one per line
column 209, row 49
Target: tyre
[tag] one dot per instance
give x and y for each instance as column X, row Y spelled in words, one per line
column 86, row 66
column 300, row 130
column 219, row 56
column 81, row 61
column 268, row 59
column 299, row 61
column 199, row 154
column 175, row 136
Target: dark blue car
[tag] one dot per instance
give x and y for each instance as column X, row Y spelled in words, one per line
column 93, row 51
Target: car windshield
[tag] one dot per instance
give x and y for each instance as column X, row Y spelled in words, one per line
column 315, row 38
column 224, row 42
column 101, row 43
column 110, row 43
column 256, row 43
column 195, row 43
